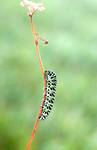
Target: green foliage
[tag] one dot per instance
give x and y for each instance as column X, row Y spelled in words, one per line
column 71, row 28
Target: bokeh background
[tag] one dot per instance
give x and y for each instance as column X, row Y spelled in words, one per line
column 71, row 29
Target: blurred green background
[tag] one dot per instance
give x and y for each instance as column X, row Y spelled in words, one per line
column 71, row 29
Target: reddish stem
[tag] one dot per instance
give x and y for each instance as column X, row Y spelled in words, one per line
column 36, row 45
column 42, row 70
column 37, row 120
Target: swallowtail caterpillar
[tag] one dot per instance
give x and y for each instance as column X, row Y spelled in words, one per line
column 49, row 92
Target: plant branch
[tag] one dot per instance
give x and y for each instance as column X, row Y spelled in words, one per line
column 42, row 70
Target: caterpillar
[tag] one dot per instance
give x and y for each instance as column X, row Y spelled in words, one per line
column 49, row 94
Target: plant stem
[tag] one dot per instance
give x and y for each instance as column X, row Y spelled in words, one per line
column 37, row 48
column 42, row 70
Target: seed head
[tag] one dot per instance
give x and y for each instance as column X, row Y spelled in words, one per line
column 32, row 7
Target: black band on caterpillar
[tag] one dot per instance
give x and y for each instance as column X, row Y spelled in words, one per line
column 49, row 92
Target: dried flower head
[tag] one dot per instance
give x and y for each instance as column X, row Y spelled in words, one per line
column 32, row 7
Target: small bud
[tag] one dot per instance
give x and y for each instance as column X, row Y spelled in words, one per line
column 46, row 42
column 36, row 42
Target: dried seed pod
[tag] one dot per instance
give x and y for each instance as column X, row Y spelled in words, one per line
column 49, row 92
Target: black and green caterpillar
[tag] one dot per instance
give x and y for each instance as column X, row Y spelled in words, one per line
column 49, row 91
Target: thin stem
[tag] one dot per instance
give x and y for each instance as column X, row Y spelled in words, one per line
column 36, row 45
column 33, row 134
column 39, row 58
column 37, row 120
column 42, row 70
